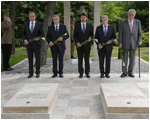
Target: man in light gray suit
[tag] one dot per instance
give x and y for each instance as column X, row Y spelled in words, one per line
column 130, row 35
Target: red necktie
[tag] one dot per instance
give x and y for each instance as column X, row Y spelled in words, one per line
column 32, row 27
column 131, row 26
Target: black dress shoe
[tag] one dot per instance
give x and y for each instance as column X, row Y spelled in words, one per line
column 107, row 75
column 80, row 76
column 72, row 57
column 131, row 75
column 61, row 75
column 102, row 76
column 30, row 76
column 37, row 75
column 123, row 75
column 11, row 68
column 87, row 75
column 8, row 69
column 54, row 76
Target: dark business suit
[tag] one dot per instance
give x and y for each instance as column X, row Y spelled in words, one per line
column 57, row 50
column 107, row 49
column 34, row 46
column 79, row 36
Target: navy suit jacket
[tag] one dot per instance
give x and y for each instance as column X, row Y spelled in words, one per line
column 109, row 36
column 52, row 36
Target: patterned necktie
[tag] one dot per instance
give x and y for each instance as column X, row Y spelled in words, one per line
column 83, row 28
column 32, row 27
column 105, row 31
column 56, row 29
column 131, row 26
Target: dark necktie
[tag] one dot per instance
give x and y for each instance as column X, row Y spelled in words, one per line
column 56, row 30
column 105, row 31
column 83, row 28
column 32, row 27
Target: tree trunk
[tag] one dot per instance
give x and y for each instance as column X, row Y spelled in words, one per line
column 13, row 6
column 47, row 21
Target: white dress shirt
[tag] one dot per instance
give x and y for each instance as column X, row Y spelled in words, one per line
column 84, row 25
column 57, row 27
column 104, row 28
column 129, row 22
column 31, row 25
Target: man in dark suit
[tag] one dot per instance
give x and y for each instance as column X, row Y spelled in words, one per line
column 104, row 33
column 31, row 30
column 83, row 31
column 55, row 32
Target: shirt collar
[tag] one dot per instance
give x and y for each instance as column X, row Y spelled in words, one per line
column 83, row 23
column 129, row 20
column 33, row 22
column 57, row 25
column 106, row 25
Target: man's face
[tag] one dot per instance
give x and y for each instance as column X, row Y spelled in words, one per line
column 5, row 18
column 83, row 19
column 32, row 17
column 56, row 20
column 104, row 21
column 131, row 15
column 72, row 22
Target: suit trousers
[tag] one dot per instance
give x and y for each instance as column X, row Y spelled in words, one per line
column 83, row 52
column 104, row 53
column 36, row 50
column 72, row 48
column 132, row 54
column 56, row 51
column 6, row 51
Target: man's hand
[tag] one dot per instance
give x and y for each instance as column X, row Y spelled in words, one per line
column 60, row 39
column 36, row 39
column 89, row 39
column 8, row 18
column 26, row 42
column 120, row 46
column 78, row 45
column 100, row 46
column 109, row 42
column 51, row 44
column 139, row 43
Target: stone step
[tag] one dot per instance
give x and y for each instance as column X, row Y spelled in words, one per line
column 124, row 100
column 34, row 99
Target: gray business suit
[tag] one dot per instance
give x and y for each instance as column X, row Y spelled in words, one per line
column 129, row 41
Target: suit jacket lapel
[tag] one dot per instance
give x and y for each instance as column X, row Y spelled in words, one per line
column 102, row 30
column 108, row 30
column 29, row 26
column 81, row 28
column 134, row 24
column 87, row 27
column 127, row 24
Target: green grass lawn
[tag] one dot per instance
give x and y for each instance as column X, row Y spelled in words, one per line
column 21, row 53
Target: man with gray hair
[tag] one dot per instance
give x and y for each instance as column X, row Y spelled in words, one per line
column 130, row 35
column 55, row 32
column 105, row 33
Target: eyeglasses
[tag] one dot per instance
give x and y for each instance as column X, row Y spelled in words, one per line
column 131, row 14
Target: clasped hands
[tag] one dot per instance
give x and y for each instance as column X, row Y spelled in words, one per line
column 26, row 42
column 100, row 46
column 79, row 45
column 59, row 39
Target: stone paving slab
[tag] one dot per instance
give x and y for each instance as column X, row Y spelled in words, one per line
column 70, row 92
column 71, row 87
column 71, row 66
